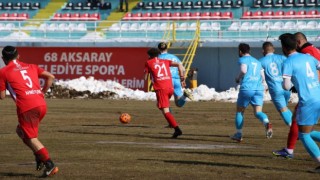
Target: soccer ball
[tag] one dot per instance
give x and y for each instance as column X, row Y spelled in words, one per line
column 125, row 118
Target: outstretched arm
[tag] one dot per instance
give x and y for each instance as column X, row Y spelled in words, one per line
column 48, row 80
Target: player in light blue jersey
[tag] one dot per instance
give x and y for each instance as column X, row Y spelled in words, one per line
column 301, row 71
column 179, row 95
column 272, row 65
column 251, row 78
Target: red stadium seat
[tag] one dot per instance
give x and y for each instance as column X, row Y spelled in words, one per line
column 23, row 16
column 13, row 16
column 257, row 15
column 301, row 14
column 216, row 15
column 176, row 16
column 146, row 16
column 137, row 16
column 268, row 15
column 84, row 16
column 94, row 17
column 75, row 17
column 128, row 16
column 186, row 16
column 227, row 15
column 247, row 15
column 57, row 16
column 290, row 14
column 205, row 16
column 66, row 17
column 196, row 15
column 157, row 16
column 313, row 14
column 279, row 14
column 166, row 16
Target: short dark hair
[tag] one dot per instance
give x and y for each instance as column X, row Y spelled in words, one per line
column 267, row 44
column 153, row 52
column 9, row 53
column 244, row 48
column 300, row 34
column 162, row 46
column 288, row 41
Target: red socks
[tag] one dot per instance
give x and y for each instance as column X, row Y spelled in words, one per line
column 293, row 135
column 169, row 117
column 43, row 154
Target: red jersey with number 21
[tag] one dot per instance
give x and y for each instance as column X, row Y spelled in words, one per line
column 160, row 73
column 22, row 82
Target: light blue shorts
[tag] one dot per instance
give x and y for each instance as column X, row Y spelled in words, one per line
column 253, row 97
column 280, row 99
column 177, row 87
column 308, row 115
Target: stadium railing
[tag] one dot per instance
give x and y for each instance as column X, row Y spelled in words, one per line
column 218, row 30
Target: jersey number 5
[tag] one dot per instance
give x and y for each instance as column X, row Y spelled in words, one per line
column 27, row 78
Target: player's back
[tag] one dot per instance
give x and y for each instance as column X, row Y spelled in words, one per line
column 160, row 72
column 304, row 76
column 252, row 80
column 272, row 65
column 311, row 50
column 173, row 58
column 23, row 84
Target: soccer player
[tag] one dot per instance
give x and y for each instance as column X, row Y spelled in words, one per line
column 251, row 78
column 304, row 47
column 179, row 96
column 162, row 83
column 272, row 65
column 22, row 81
column 301, row 71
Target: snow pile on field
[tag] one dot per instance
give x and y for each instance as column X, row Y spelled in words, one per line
column 91, row 88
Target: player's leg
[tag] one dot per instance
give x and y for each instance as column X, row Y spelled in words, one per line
column 257, row 103
column 28, row 132
column 242, row 103
column 307, row 117
column 280, row 101
column 179, row 98
column 291, row 139
column 163, row 97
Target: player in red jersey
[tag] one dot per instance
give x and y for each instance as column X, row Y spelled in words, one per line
column 162, row 83
column 306, row 48
column 22, row 81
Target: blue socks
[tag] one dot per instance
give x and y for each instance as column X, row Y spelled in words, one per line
column 286, row 116
column 181, row 101
column 310, row 144
column 239, row 120
column 262, row 117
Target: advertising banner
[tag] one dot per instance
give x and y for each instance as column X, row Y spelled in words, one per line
column 123, row 65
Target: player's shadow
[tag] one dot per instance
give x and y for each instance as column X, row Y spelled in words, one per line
column 113, row 125
column 11, row 174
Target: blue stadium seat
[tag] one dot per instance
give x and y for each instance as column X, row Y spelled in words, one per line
column 78, row 6
column 17, row 6
column 289, row 3
column 299, row 3
column 257, row 3
column 68, row 6
column 268, row 3
column 238, row 3
column 178, row 5
column 36, row 5
column 149, row 5
column 278, row 3
column 168, row 5
column 1, row 5
column 188, row 5
column 218, row 4
column 26, row 6
column 198, row 4
column 208, row 4
column 8, row 6
column 140, row 5
column 311, row 3
column 228, row 4
column 159, row 5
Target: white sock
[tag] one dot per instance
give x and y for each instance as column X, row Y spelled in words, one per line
column 290, row 151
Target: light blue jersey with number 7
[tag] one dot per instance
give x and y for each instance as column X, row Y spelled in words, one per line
column 252, row 80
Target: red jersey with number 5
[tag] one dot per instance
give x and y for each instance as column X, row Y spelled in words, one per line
column 22, row 81
column 160, row 73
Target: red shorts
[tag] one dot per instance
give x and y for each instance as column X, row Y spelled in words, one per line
column 163, row 97
column 29, row 122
